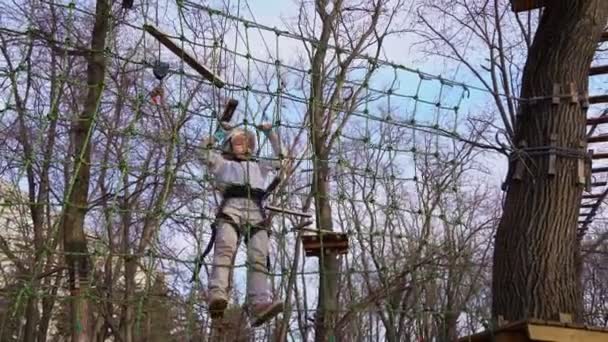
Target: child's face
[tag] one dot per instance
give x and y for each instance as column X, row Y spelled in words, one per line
column 240, row 144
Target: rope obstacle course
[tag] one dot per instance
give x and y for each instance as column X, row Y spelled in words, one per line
column 437, row 127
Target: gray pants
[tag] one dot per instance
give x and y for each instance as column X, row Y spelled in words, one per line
column 226, row 243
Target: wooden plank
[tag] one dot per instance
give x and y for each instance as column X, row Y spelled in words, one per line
column 556, row 99
column 564, row 334
column 598, row 120
column 510, row 333
column 591, row 196
column 287, row 211
column 599, row 169
column 598, row 138
column 552, row 154
column 573, row 93
column 518, row 174
column 327, row 251
column 598, row 70
column 598, row 184
column 326, row 241
column 201, row 69
column 588, row 205
column 526, row 5
column 585, row 101
column 502, row 336
column 580, row 163
column 602, row 155
column 598, row 99
column 329, row 243
column 334, row 245
column 229, row 110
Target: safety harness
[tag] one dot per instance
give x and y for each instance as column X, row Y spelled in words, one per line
column 238, row 191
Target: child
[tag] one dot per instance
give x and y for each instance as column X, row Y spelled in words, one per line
column 241, row 179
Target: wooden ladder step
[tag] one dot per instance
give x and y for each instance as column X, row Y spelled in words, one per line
column 598, row 184
column 588, row 205
column 598, row 70
column 599, row 169
column 590, row 196
column 598, row 99
column 602, row 155
column 598, row 138
column 598, row 120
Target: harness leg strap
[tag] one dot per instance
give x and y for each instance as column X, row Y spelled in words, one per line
column 220, row 218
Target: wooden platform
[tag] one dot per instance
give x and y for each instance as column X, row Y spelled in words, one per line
column 539, row 330
column 328, row 242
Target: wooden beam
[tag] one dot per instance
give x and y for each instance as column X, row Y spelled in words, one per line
column 598, row 99
column 563, row 334
column 287, row 211
column 526, row 5
column 598, row 70
column 328, row 243
column 590, row 196
column 603, row 155
column 599, row 169
column 598, row 138
column 201, row 69
column 229, row 110
column 598, row 120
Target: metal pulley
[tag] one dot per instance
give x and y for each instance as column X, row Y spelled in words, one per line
column 160, row 70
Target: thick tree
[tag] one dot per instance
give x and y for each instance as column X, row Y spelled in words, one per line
column 74, row 238
column 535, row 273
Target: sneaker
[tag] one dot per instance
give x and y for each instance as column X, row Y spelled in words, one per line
column 262, row 313
column 217, row 304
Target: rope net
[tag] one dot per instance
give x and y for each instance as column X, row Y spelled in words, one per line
column 401, row 175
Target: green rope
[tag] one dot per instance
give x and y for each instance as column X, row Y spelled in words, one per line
column 172, row 145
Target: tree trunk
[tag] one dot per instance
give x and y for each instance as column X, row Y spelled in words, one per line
column 74, row 238
column 328, row 264
column 128, row 314
column 534, row 273
column 31, row 314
